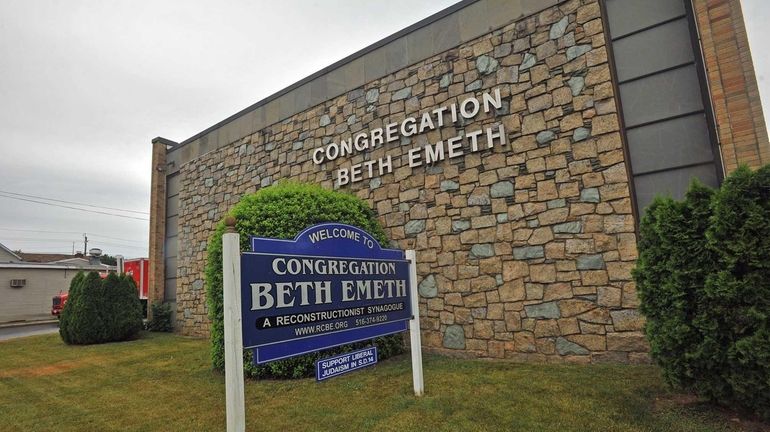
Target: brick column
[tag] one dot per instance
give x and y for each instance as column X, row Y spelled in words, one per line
column 733, row 86
column 157, row 223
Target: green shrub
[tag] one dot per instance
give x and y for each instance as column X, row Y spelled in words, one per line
column 65, row 315
column 283, row 211
column 161, row 318
column 703, row 278
column 99, row 311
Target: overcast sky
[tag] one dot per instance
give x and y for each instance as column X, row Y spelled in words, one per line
column 85, row 86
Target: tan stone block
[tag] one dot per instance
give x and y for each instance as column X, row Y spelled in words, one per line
column 630, row 297
column 620, row 271
column 533, row 123
column 496, row 349
column 596, row 316
column 467, row 271
column 594, row 277
column 592, row 179
column 546, row 190
column 512, row 291
column 562, row 96
column 568, row 326
column 584, row 149
column 436, row 304
column 611, row 157
column 540, row 103
column 627, row 246
column 546, row 328
column 463, row 315
column 495, row 311
column 483, row 283
column 491, row 265
column 534, row 291
column 627, row 341
column 570, row 122
column 554, row 250
column 573, row 307
column 483, row 329
column 618, row 224
column 579, row 246
column 543, row 273
column 541, row 236
column 568, row 190
column 475, row 300
column 553, row 216
column 453, row 299
column 524, row 341
column 589, row 342
column 557, row 291
column 515, row 270
column 479, row 345
column 588, row 328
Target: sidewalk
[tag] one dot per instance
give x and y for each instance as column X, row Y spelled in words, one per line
column 27, row 323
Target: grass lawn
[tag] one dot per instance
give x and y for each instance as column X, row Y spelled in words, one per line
column 164, row 383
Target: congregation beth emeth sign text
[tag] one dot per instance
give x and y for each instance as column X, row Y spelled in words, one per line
column 477, row 140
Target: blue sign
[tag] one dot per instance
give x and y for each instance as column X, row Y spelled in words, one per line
column 332, row 285
column 344, row 363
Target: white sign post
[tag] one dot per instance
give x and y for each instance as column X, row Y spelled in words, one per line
column 414, row 326
column 231, row 266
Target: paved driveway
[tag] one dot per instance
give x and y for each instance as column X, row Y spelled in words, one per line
column 27, row 330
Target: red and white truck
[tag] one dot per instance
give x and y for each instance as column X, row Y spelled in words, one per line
column 137, row 268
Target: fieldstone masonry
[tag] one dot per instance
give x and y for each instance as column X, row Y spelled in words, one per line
column 525, row 250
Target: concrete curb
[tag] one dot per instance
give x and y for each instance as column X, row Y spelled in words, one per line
column 27, row 323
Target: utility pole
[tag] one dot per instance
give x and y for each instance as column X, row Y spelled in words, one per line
column 85, row 244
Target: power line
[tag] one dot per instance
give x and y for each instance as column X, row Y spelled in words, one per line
column 74, row 208
column 28, row 240
column 72, row 202
column 70, row 232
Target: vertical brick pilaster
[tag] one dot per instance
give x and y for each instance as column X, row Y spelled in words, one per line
column 733, row 86
column 157, row 223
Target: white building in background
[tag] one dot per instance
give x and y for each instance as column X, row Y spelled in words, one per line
column 29, row 281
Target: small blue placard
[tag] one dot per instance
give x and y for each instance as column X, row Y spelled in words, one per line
column 332, row 285
column 344, row 363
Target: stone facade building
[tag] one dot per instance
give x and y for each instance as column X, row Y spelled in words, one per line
column 551, row 125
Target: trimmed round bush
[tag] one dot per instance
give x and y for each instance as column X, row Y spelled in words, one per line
column 283, row 211
column 703, row 278
column 101, row 310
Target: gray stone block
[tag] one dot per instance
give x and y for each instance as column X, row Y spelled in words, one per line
column 568, row 228
column 427, row 288
column 528, row 252
column 543, row 310
column 576, row 84
column 590, row 195
column 580, row 134
column 449, row 185
column 486, row 64
column 482, row 251
column 501, row 189
column 454, row 337
column 558, row 28
column 460, row 225
column 414, row 227
column 565, row 347
column 404, row 93
column 590, row 262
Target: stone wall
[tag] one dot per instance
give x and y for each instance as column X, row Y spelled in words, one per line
column 524, row 250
